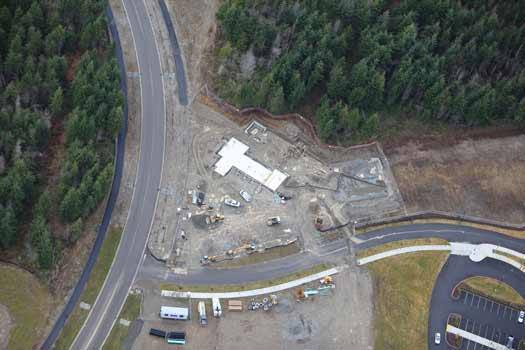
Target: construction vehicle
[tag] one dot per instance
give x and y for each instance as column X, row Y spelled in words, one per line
column 242, row 248
column 206, row 260
column 326, row 280
column 202, row 313
column 212, row 219
column 274, row 220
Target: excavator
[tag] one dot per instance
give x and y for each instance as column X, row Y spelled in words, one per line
column 206, row 260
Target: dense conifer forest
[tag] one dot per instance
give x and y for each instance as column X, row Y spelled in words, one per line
column 458, row 62
column 59, row 83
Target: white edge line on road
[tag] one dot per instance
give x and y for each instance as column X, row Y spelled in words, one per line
column 161, row 167
column 136, row 173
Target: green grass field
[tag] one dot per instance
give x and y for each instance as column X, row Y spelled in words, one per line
column 403, row 288
column 29, row 304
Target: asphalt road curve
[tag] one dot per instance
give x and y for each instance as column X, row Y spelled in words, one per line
column 129, row 255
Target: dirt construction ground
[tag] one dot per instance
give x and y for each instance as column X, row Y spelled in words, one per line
column 476, row 177
column 342, row 320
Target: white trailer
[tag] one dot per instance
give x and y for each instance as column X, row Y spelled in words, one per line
column 202, row 313
column 174, row 313
column 217, row 310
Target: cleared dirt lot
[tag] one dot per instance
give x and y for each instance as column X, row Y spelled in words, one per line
column 342, row 320
column 477, row 177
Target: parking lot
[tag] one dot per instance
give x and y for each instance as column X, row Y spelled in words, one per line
column 488, row 319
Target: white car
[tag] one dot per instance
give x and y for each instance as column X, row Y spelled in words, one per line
column 246, row 196
column 521, row 316
column 232, row 202
column 437, row 339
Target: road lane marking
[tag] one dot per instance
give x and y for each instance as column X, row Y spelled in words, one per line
column 136, row 173
column 164, row 114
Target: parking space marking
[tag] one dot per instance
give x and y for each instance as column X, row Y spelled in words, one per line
column 504, row 311
column 479, row 300
column 485, row 306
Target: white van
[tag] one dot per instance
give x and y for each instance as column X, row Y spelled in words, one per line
column 174, row 313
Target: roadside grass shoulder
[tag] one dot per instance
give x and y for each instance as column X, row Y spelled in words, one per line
column 510, row 256
column 400, row 244
column 403, row 288
column 28, row 303
column 225, row 288
column 494, row 289
column 130, row 312
column 89, row 295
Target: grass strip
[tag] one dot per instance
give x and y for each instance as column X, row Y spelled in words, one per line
column 130, row 312
column 400, row 244
column 89, row 295
column 493, row 289
column 486, row 227
column 403, row 288
column 28, row 303
column 225, row 288
column 510, row 256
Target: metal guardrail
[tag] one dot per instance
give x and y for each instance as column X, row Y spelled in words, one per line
column 431, row 214
column 112, row 199
column 364, row 223
column 179, row 63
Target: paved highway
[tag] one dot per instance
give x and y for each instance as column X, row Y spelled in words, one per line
column 129, row 255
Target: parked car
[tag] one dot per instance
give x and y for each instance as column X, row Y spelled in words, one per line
column 437, row 338
column 284, row 196
column 232, row 202
column 275, row 220
column 246, row 196
column 521, row 316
